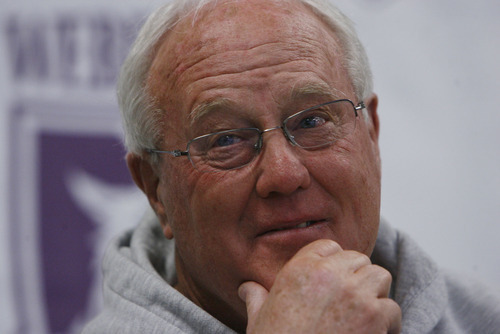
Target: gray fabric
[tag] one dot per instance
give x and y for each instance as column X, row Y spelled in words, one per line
column 432, row 300
column 139, row 267
column 138, row 297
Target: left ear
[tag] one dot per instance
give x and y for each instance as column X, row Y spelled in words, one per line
column 371, row 109
column 147, row 178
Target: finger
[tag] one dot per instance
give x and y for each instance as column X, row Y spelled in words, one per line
column 351, row 260
column 321, row 248
column 254, row 295
column 377, row 279
column 393, row 315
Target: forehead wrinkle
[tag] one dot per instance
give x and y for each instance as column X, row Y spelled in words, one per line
column 207, row 54
column 213, row 63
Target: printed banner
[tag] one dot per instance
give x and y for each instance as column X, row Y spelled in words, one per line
column 68, row 180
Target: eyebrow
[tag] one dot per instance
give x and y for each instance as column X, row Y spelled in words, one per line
column 308, row 89
column 207, row 107
column 317, row 88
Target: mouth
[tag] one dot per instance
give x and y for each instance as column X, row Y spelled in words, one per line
column 302, row 225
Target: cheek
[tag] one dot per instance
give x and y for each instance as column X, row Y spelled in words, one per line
column 206, row 206
column 367, row 209
column 358, row 161
column 350, row 174
column 207, row 230
column 174, row 195
column 219, row 196
column 338, row 169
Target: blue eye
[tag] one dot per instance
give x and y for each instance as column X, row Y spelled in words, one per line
column 311, row 122
column 227, row 140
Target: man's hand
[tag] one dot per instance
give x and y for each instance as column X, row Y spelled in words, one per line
column 324, row 289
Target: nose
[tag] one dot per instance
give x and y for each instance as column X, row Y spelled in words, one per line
column 281, row 171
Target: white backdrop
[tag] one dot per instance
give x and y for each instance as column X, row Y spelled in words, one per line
column 436, row 68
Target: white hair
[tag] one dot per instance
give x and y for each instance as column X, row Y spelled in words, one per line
column 142, row 120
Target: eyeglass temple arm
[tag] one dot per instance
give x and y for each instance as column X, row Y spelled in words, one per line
column 174, row 153
column 360, row 106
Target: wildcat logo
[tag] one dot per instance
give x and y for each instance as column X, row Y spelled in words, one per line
column 70, row 193
column 69, row 190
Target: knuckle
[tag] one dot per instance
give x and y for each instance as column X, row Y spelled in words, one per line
column 374, row 312
column 379, row 272
column 321, row 248
column 371, row 311
column 363, row 258
column 349, row 290
column 385, row 276
column 327, row 246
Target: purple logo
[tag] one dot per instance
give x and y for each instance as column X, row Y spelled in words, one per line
column 70, row 191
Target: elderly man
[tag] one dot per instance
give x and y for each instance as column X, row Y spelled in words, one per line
column 253, row 131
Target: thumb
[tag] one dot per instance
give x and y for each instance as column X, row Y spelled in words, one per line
column 254, row 295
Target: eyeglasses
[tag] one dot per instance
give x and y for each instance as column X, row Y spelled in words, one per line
column 309, row 129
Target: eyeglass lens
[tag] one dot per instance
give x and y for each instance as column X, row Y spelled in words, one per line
column 312, row 128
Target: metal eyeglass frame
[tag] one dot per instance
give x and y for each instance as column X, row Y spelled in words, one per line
column 179, row 153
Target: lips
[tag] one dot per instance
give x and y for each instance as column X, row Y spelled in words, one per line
column 302, row 225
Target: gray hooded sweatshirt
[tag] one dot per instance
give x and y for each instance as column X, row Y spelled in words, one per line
column 139, row 272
